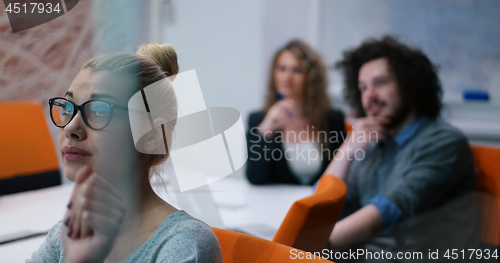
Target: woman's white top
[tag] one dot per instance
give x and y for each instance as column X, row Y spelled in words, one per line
column 304, row 160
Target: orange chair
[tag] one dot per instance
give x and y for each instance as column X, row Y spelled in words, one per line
column 237, row 247
column 487, row 163
column 310, row 220
column 348, row 127
column 28, row 158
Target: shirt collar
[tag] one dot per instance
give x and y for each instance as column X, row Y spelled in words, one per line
column 410, row 130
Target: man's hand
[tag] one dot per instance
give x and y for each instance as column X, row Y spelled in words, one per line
column 359, row 227
column 367, row 130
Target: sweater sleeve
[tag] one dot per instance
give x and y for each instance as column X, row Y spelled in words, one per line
column 193, row 242
column 258, row 169
column 51, row 248
column 439, row 165
column 337, row 127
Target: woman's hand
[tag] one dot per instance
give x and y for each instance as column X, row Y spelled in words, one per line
column 94, row 215
column 277, row 116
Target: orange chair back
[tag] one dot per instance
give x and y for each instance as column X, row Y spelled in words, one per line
column 26, row 145
column 487, row 163
column 310, row 221
column 237, row 247
column 348, row 127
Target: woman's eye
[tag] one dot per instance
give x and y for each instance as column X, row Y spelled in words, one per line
column 100, row 113
column 67, row 111
column 99, row 109
column 297, row 70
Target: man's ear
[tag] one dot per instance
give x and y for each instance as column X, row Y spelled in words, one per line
column 155, row 137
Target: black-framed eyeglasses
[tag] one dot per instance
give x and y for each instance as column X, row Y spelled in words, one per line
column 95, row 113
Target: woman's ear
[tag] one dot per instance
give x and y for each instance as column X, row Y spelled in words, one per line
column 155, row 137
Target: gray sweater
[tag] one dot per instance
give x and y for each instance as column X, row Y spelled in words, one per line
column 180, row 238
column 422, row 183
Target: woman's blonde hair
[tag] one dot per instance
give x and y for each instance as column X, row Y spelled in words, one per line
column 151, row 63
column 163, row 55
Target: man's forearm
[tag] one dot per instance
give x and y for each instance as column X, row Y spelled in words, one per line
column 359, row 227
column 341, row 162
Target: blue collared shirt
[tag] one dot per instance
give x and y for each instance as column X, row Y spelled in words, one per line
column 410, row 130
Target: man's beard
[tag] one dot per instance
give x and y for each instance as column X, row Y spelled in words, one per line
column 399, row 116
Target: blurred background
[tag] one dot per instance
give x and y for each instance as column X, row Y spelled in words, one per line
column 230, row 45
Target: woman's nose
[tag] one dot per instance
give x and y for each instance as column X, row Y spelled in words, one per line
column 288, row 74
column 76, row 128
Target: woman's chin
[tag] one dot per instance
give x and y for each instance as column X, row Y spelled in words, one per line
column 290, row 93
column 71, row 169
column 70, row 175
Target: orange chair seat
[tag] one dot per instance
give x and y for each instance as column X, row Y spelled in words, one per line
column 237, row 247
column 310, row 220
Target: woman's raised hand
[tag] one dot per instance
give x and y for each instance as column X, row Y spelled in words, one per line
column 93, row 218
column 277, row 116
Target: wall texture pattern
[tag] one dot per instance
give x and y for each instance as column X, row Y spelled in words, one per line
column 41, row 62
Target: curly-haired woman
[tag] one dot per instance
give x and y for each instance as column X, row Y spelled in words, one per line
column 294, row 137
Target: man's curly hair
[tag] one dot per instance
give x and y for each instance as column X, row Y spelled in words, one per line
column 417, row 77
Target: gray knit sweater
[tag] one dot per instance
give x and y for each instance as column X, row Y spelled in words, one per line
column 180, row 238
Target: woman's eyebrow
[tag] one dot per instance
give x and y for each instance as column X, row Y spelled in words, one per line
column 69, row 93
column 101, row 96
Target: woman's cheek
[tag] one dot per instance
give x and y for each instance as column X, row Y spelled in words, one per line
column 299, row 81
column 115, row 154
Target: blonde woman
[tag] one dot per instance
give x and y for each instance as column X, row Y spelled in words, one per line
column 113, row 214
column 294, row 137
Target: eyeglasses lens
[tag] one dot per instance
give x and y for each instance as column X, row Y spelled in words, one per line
column 97, row 114
column 62, row 111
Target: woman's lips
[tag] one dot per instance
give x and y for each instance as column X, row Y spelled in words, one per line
column 74, row 156
column 72, row 153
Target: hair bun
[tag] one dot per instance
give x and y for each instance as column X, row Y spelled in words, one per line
column 163, row 55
